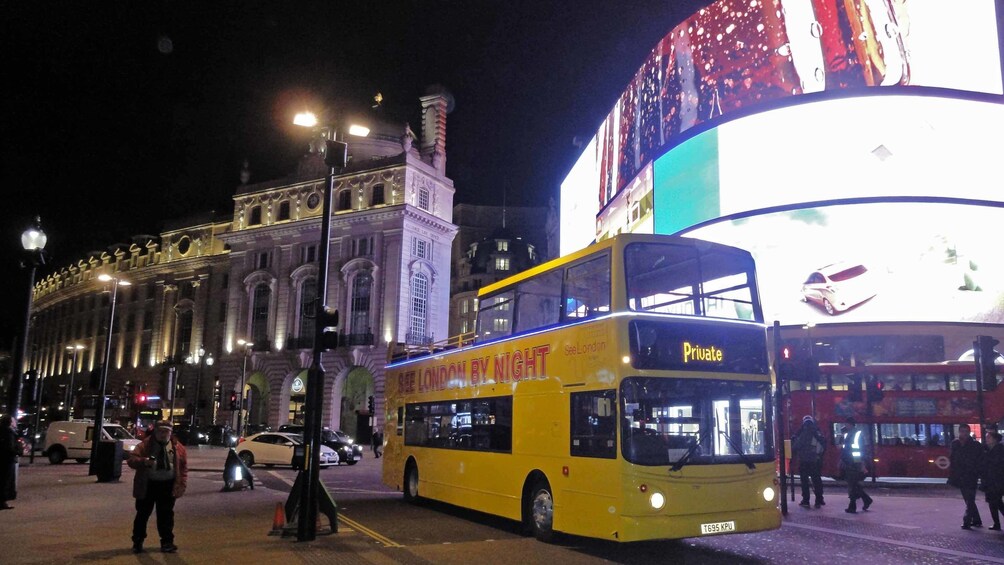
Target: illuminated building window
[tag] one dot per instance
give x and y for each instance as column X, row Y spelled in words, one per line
column 501, row 263
column 419, row 307
column 502, row 245
column 423, row 199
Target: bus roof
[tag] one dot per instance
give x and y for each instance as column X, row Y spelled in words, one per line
column 619, row 240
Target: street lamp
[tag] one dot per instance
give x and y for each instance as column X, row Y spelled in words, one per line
column 76, row 348
column 335, row 157
column 33, row 240
column 204, row 360
column 99, row 416
column 247, row 345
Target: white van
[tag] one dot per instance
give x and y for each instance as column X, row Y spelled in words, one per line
column 72, row 439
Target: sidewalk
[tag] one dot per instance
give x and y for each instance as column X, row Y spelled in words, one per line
column 62, row 515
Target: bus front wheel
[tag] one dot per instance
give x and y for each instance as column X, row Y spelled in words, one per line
column 411, row 483
column 540, row 511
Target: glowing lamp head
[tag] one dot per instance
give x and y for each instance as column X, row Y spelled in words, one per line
column 305, row 119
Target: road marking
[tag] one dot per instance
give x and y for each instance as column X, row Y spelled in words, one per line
column 917, row 546
column 281, row 478
column 904, row 526
column 361, row 528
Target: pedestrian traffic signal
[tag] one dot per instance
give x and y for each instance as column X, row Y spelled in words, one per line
column 140, row 400
column 786, row 364
column 233, row 401
column 875, row 389
column 986, row 361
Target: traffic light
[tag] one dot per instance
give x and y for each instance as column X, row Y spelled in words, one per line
column 854, row 389
column 140, row 400
column 875, row 389
column 233, row 401
column 328, row 320
column 786, row 364
column 986, row 361
column 218, row 394
column 369, row 404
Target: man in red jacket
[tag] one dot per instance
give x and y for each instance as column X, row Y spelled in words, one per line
column 161, row 464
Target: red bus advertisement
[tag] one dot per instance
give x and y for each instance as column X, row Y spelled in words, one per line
column 911, row 411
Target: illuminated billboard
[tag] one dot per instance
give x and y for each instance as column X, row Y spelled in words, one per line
column 730, row 60
column 874, row 261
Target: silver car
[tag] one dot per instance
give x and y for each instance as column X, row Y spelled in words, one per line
column 838, row 287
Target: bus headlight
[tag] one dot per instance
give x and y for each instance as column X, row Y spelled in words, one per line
column 657, row 500
column 768, row 494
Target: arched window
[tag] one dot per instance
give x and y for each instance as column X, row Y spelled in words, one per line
column 185, row 332
column 344, row 200
column 419, row 309
column 308, row 309
column 259, row 314
column 255, row 219
column 376, row 197
column 360, row 317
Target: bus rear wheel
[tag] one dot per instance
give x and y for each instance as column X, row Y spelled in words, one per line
column 540, row 511
column 411, row 483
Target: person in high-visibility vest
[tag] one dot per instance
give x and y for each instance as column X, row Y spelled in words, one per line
column 853, row 456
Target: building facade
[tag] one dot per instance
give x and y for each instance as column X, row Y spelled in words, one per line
column 220, row 284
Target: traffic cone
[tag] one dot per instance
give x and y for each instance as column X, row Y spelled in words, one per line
column 278, row 520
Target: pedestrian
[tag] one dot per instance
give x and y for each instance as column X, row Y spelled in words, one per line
column 852, row 464
column 9, row 450
column 965, row 466
column 808, row 446
column 377, row 444
column 993, row 477
column 161, row 464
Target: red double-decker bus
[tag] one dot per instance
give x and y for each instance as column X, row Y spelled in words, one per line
column 912, row 412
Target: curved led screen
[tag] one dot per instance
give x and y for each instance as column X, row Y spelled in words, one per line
column 733, row 58
column 875, row 261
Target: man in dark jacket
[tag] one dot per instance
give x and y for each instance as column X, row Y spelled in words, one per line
column 161, row 464
column 993, row 477
column 808, row 446
column 966, row 465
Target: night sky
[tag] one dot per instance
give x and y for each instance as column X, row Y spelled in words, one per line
column 119, row 116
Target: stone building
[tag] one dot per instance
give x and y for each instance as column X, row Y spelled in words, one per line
column 252, row 277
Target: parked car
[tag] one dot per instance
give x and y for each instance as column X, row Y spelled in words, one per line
column 222, row 435
column 252, row 429
column 349, row 452
column 72, row 439
column 189, row 435
column 276, row 448
column 838, row 287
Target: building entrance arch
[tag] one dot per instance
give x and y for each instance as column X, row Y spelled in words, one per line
column 355, row 418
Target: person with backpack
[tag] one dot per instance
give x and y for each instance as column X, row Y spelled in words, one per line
column 808, row 446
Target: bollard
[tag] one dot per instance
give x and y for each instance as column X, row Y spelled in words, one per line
column 236, row 474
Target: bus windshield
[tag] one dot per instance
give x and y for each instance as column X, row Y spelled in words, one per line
column 676, row 279
column 666, row 421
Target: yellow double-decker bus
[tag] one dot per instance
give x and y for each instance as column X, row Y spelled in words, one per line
column 621, row 392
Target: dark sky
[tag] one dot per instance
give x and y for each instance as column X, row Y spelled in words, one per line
column 120, row 115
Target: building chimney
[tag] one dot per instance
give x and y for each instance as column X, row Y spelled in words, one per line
column 435, row 105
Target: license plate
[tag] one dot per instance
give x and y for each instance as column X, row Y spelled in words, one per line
column 718, row 528
column 358, row 457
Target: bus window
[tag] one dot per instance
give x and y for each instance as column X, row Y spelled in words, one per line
column 929, row 382
column 587, row 289
column 483, row 424
column 664, row 419
column 593, row 424
column 538, row 302
column 495, row 316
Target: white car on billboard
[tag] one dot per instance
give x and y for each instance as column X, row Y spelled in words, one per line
column 839, row 287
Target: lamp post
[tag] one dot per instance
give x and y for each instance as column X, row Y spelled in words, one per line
column 33, row 241
column 335, row 157
column 99, row 416
column 247, row 345
column 204, row 360
column 76, row 348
